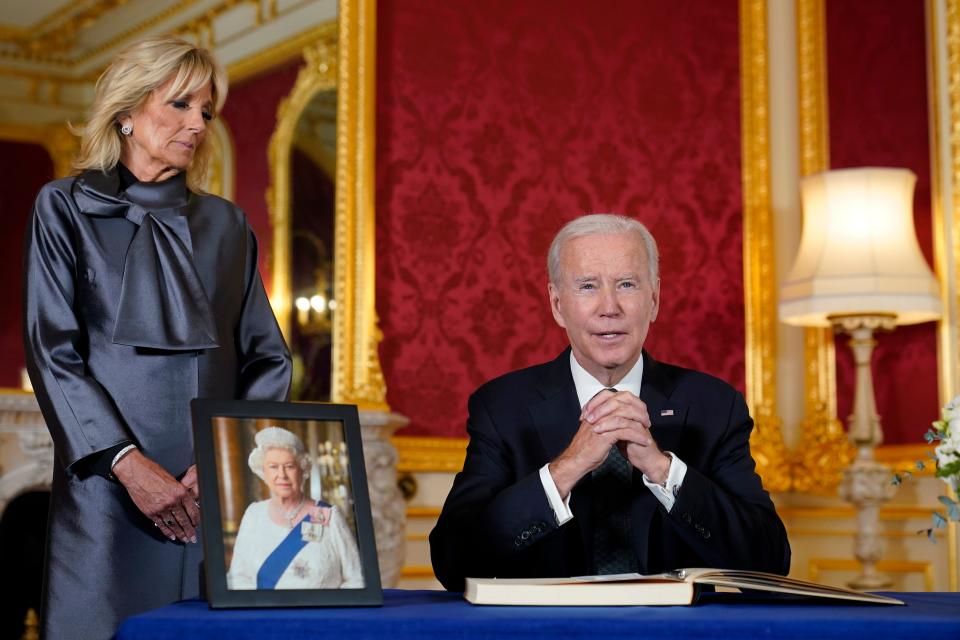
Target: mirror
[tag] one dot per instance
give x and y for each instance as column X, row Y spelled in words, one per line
column 312, row 157
column 302, row 201
column 310, row 161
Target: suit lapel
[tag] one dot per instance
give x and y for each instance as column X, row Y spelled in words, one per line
column 556, row 414
column 556, row 417
column 667, row 420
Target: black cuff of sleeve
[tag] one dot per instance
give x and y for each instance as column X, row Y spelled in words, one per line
column 100, row 461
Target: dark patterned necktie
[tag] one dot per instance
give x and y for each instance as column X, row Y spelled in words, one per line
column 612, row 489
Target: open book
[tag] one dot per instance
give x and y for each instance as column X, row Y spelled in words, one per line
column 674, row 587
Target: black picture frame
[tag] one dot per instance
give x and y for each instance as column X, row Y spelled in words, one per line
column 218, row 421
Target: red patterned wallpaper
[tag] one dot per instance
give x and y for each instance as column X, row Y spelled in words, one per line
column 878, row 117
column 251, row 116
column 25, row 168
column 499, row 121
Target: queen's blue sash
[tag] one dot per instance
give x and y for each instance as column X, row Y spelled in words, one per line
column 277, row 562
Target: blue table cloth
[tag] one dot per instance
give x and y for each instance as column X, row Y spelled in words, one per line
column 437, row 615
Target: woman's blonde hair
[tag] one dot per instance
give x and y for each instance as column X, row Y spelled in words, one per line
column 126, row 84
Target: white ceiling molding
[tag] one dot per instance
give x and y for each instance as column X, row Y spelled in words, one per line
column 51, row 51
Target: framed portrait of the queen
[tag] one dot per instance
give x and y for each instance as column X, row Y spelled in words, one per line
column 285, row 512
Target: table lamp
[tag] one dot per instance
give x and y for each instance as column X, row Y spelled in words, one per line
column 859, row 269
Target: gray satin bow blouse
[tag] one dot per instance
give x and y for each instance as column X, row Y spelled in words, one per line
column 136, row 301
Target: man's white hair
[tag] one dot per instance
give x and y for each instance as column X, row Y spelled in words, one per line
column 277, row 438
column 602, row 224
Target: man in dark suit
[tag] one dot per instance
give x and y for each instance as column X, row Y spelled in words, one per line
column 605, row 460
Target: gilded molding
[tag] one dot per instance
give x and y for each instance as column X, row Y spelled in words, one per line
column 417, row 572
column 357, row 376
column 944, row 229
column 822, row 455
column 59, row 143
column 816, row 565
column 22, row 133
column 905, row 456
column 46, row 85
column 281, row 53
column 319, row 73
column 423, row 513
column 39, row 43
column 849, row 534
column 60, row 44
column 758, row 262
column 345, row 61
column 430, row 454
column 812, row 86
column 949, row 359
column 824, row 450
column 61, row 39
column 898, row 513
column 220, row 170
column 63, row 147
column 202, row 28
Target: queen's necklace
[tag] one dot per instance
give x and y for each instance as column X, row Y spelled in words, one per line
column 290, row 515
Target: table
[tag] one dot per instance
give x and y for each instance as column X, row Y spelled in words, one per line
column 437, row 615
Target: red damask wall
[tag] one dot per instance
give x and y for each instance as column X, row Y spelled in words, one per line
column 25, row 168
column 499, row 121
column 878, row 117
column 251, row 116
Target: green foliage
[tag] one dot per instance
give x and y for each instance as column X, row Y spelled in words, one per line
column 948, row 470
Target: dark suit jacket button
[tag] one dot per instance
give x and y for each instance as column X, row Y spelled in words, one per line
column 686, row 518
column 705, row 533
column 517, row 541
column 525, row 535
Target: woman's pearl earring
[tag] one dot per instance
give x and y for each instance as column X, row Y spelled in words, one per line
column 126, row 129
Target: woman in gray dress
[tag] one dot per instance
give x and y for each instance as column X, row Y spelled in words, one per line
column 141, row 292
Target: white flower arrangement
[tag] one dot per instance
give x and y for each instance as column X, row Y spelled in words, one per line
column 946, row 457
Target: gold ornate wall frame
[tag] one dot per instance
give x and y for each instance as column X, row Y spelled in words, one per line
column 820, row 374
column 824, row 450
column 60, row 144
column 759, row 274
column 221, row 169
column 430, row 454
column 947, row 238
column 947, row 344
column 342, row 58
column 821, row 431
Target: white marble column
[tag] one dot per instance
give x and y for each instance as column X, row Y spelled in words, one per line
column 26, row 450
column 386, row 502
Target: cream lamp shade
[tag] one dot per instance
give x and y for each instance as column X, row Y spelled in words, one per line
column 858, row 251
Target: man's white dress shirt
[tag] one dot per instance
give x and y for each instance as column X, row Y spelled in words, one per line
column 587, row 387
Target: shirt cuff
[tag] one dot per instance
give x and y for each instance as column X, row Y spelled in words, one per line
column 561, row 508
column 120, row 454
column 101, row 463
column 667, row 492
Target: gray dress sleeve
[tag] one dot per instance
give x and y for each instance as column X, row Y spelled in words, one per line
column 264, row 363
column 81, row 418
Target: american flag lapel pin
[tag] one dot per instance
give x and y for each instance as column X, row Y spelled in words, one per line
column 666, row 412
